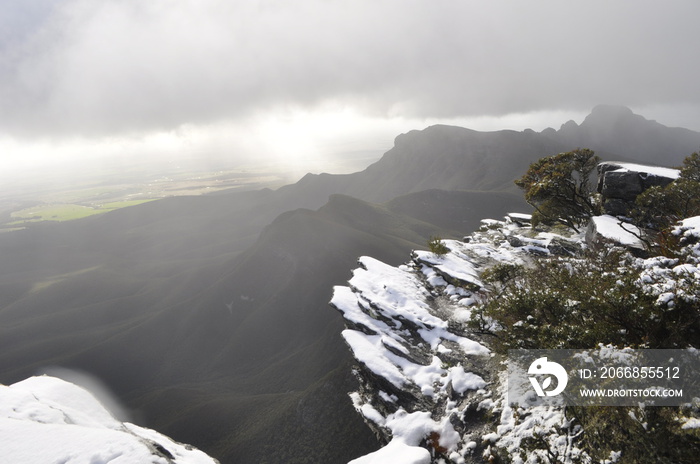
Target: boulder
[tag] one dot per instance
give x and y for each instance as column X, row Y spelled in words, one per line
column 617, row 206
column 607, row 229
column 621, row 183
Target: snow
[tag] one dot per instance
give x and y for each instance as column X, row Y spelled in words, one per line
column 463, row 381
column 368, row 350
column 691, row 423
column 452, row 264
column 394, row 331
column 688, row 228
column 397, row 295
column 546, row 422
column 612, row 228
column 408, row 430
column 397, row 331
column 691, row 223
column 393, row 291
column 523, row 216
column 641, row 168
column 396, row 452
column 671, row 280
column 48, row 420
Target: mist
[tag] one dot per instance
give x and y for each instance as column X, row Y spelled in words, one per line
column 266, row 80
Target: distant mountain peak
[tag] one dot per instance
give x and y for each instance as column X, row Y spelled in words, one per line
column 569, row 125
column 611, row 110
column 602, row 115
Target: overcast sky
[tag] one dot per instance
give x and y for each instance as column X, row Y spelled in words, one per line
column 284, row 79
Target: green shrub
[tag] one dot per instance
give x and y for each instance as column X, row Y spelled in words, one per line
column 581, row 302
column 559, row 188
column 642, row 435
column 436, row 245
column 578, row 303
column 603, row 297
column 657, row 209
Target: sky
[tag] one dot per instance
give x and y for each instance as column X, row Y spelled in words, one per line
column 275, row 81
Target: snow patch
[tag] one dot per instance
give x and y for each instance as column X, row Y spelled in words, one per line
column 46, row 419
column 613, row 229
column 644, row 169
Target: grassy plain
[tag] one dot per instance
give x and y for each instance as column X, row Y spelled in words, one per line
column 28, row 200
column 66, row 212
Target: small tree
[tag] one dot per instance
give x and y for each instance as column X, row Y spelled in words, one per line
column 559, row 188
column 436, row 245
column 658, row 208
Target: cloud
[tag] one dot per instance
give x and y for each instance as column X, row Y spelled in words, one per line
column 105, row 67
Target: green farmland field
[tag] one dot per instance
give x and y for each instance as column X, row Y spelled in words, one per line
column 66, row 212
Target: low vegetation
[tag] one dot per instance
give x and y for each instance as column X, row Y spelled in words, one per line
column 605, row 297
column 659, row 208
column 577, row 303
column 437, row 247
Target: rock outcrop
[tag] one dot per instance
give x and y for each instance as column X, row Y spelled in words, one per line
column 606, row 229
column 620, row 183
column 430, row 389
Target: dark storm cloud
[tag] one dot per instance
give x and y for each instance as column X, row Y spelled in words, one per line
column 108, row 67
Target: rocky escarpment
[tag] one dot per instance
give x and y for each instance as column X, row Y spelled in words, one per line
column 432, row 390
column 428, row 388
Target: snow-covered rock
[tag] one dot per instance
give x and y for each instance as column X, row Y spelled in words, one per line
column 48, row 420
column 427, row 385
column 430, row 389
column 627, row 180
column 620, row 183
column 609, row 229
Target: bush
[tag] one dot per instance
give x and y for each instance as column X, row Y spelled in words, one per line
column 436, row 245
column 604, row 297
column 559, row 188
column 642, row 435
column 611, row 298
column 659, row 208
column 578, row 303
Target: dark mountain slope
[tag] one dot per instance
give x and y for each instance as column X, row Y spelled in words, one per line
column 457, row 210
column 439, row 157
column 454, row 158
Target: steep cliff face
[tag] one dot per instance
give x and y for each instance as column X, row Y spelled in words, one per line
column 430, row 389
